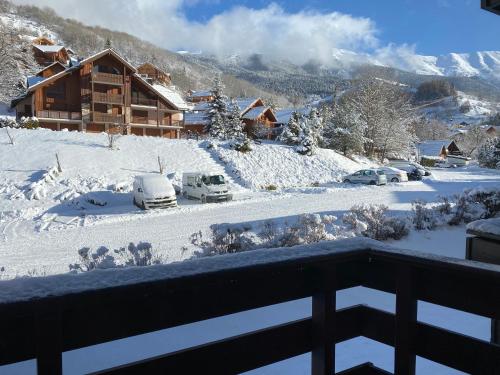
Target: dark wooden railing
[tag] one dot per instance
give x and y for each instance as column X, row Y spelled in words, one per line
column 107, row 118
column 491, row 5
column 99, row 97
column 44, row 328
column 114, row 79
column 59, row 115
column 144, row 101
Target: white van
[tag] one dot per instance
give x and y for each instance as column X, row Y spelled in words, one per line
column 153, row 191
column 207, row 187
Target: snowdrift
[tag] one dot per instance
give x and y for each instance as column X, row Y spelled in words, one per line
column 279, row 165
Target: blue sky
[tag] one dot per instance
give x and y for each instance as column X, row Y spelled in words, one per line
column 433, row 26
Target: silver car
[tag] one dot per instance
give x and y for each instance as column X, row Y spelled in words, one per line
column 367, row 176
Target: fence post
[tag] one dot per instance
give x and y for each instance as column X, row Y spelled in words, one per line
column 49, row 342
column 323, row 325
column 406, row 322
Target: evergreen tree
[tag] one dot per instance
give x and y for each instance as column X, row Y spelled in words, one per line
column 233, row 124
column 108, row 45
column 489, row 153
column 217, row 113
column 291, row 130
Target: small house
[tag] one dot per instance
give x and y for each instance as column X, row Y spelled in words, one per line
column 48, row 54
column 200, row 96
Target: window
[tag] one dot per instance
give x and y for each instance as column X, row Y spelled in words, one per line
column 56, row 90
column 213, row 180
column 191, row 181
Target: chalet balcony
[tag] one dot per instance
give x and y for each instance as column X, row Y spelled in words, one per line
column 141, row 120
column 107, row 78
column 107, row 118
column 99, row 97
column 144, row 102
column 44, row 325
column 59, row 115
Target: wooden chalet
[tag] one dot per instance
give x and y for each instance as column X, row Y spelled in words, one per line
column 46, row 54
column 153, row 74
column 453, row 149
column 200, row 96
column 102, row 93
column 254, row 114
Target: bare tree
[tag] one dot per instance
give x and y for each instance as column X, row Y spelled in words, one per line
column 473, row 140
column 11, row 137
column 161, row 164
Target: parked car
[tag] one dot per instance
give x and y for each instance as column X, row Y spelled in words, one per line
column 394, row 174
column 367, row 176
column 207, row 187
column 405, row 165
column 153, row 191
column 414, row 174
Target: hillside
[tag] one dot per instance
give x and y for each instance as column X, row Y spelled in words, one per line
column 28, row 22
column 280, row 82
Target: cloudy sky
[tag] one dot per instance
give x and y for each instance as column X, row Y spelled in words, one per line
column 295, row 29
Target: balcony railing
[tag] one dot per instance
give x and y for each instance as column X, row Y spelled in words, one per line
column 153, row 121
column 59, row 115
column 107, row 118
column 114, row 79
column 144, row 101
column 44, row 327
column 99, row 97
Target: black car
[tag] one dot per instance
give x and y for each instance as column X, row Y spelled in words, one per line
column 414, row 175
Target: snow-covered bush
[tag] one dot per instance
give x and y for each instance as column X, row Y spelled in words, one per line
column 459, row 209
column 92, row 260
column 8, row 122
column 224, row 239
column 423, row 216
column 139, row 255
column 371, row 221
column 242, row 145
column 488, row 154
column 29, row 123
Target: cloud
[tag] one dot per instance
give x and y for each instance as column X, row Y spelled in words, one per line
column 270, row 31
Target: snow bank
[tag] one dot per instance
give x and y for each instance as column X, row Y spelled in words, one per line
column 487, row 226
column 279, row 165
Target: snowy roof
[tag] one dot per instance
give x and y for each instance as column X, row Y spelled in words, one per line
column 33, row 80
column 200, row 93
column 255, row 112
column 195, row 118
column 432, row 148
column 202, row 106
column 244, row 103
column 48, row 49
column 173, row 96
column 284, row 115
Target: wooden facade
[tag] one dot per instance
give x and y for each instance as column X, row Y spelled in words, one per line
column 48, row 54
column 154, row 74
column 51, row 70
column 102, row 94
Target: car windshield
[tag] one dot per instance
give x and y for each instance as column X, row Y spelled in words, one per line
column 213, row 180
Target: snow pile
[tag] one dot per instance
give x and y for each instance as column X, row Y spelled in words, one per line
column 278, row 165
column 37, row 190
column 488, row 226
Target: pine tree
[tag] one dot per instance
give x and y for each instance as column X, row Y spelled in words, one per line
column 217, row 113
column 108, row 45
column 489, row 153
column 233, row 124
column 291, row 130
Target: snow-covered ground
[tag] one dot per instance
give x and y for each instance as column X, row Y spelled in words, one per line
column 43, row 236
